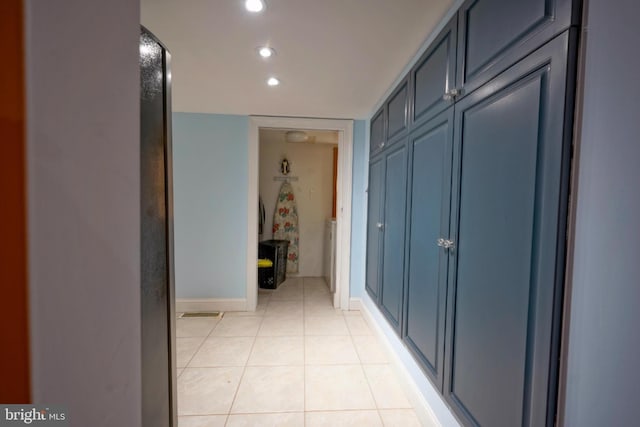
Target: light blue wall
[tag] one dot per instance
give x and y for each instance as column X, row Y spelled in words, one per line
column 359, row 207
column 210, row 155
column 603, row 379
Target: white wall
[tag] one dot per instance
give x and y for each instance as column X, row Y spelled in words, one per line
column 313, row 165
column 84, row 207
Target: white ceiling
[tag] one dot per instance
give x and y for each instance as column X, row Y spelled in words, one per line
column 335, row 58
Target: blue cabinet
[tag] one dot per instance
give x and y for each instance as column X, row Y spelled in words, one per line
column 377, row 134
column 395, row 197
column 397, row 112
column 431, row 152
column 434, row 76
column 374, row 226
column 468, row 194
column 511, row 143
column 495, row 34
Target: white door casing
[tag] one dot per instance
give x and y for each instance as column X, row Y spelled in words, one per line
column 343, row 208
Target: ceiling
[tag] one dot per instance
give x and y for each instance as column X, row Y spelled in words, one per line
column 335, row 58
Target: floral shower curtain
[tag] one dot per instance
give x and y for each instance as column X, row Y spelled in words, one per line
column 285, row 224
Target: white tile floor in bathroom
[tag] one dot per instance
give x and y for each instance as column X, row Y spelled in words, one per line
column 295, row 362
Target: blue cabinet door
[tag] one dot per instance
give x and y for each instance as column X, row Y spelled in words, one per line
column 434, row 76
column 395, row 197
column 431, row 152
column 511, row 143
column 397, row 108
column 377, row 134
column 495, row 34
column 374, row 226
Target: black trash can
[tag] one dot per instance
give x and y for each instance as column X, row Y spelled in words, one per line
column 276, row 251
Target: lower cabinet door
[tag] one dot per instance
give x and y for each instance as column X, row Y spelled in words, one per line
column 431, row 152
column 374, row 226
column 510, row 149
column 395, row 197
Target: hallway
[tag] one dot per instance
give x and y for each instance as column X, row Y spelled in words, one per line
column 295, row 362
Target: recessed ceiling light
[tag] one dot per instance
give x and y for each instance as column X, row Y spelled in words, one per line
column 254, row 5
column 273, row 81
column 266, row 52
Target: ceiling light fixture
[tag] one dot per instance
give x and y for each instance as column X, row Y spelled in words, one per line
column 254, row 5
column 266, row 52
column 296, row 136
column 273, row 81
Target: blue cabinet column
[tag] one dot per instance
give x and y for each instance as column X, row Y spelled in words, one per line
column 431, row 152
column 511, row 143
column 395, row 197
column 374, row 226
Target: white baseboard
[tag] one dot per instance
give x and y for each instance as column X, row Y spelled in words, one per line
column 418, row 401
column 210, row 304
column 355, row 304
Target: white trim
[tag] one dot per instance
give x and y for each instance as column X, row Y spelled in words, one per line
column 252, row 217
column 210, row 304
column 423, row 410
column 345, row 156
column 355, row 304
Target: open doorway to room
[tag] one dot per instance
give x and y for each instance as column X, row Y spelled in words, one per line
column 298, row 196
column 268, row 147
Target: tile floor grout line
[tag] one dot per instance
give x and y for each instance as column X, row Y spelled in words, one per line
column 198, row 349
column 246, row 363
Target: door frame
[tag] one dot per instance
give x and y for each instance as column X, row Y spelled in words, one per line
column 343, row 208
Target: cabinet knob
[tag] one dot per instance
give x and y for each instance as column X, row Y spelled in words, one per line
column 441, row 242
column 380, row 225
column 381, row 144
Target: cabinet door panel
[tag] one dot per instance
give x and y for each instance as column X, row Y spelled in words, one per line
column 511, row 149
column 434, row 74
column 495, row 34
column 394, row 231
column 376, row 139
column 374, row 214
column 397, row 111
column 429, row 193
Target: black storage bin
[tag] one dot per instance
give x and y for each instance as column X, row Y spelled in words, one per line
column 276, row 251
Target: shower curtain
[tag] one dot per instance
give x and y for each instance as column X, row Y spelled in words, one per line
column 285, row 224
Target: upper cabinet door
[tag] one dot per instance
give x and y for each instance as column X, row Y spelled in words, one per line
column 397, row 112
column 431, row 151
column 395, row 197
column 374, row 226
column 377, row 134
column 495, row 34
column 511, row 144
column 433, row 76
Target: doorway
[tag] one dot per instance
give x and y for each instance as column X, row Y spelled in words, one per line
column 344, row 129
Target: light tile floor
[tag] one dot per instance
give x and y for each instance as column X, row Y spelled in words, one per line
column 295, row 362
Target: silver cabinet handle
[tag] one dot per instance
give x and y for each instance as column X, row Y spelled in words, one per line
column 380, row 225
column 451, row 94
column 446, row 244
